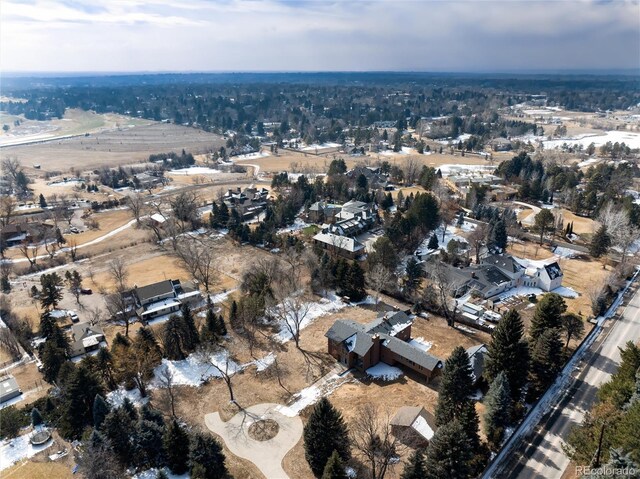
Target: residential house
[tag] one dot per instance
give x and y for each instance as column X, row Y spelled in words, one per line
column 9, row 388
column 17, row 233
column 323, row 212
column 385, row 339
column 85, row 338
column 414, row 426
column 163, row 297
column 375, row 178
column 248, row 202
column 344, row 246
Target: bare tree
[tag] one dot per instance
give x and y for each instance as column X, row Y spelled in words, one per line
column 378, row 277
column 477, row 239
column 185, row 209
column 446, row 288
column 373, row 440
column 136, row 205
column 165, row 377
column 410, row 170
column 117, row 269
column 200, row 259
column 29, row 251
column 10, row 344
column 210, row 353
column 72, row 247
column 120, row 309
column 624, row 238
column 614, row 219
column 7, row 209
column 291, row 313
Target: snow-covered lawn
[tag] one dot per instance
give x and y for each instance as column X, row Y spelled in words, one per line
column 474, row 170
column 193, row 370
column 384, row 372
column 310, row 395
column 116, row 398
column 263, row 363
column 313, row 311
column 566, row 292
column 631, row 139
column 565, row 252
column 153, row 473
column 195, row 170
column 442, row 244
column 252, row 156
column 298, row 224
column 14, row 450
column 316, row 146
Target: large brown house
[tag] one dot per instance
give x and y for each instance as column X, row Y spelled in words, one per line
column 385, row 339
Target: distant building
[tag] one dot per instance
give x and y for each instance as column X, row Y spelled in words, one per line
column 323, row 212
column 385, row 339
column 248, row 202
column 164, row 297
column 339, row 245
column 17, row 233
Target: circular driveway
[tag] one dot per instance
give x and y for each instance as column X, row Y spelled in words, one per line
column 266, row 455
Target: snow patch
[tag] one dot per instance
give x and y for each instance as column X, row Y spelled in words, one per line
column 193, row 371
column 421, row 344
column 384, row 372
column 14, row 450
column 566, row 292
column 153, row 474
column 116, row 398
column 308, row 396
column 195, row 170
column 565, row 252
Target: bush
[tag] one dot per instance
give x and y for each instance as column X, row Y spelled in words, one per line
column 12, row 421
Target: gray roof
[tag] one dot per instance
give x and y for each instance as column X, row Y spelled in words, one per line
column 477, row 355
column 553, row 270
column 8, row 388
column 411, row 353
column 504, row 262
column 153, row 290
column 386, row 323
column 406, row 415
column 344, row 329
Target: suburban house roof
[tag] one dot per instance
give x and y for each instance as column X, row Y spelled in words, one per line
column 504, row 262
column 417, row 418
column 411, row 353
column 343, row 242
column 389, row 323
column 553, row 270
column 154, row 290
column 482, row 278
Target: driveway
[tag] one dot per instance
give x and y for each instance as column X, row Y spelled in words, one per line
column 266, row 455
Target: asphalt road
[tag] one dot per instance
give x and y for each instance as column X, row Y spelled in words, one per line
column 542, row 457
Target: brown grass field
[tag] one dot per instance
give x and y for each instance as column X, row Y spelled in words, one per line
column 113, row 147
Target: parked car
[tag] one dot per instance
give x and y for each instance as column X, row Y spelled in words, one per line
column 74, row 317
column 86, row 291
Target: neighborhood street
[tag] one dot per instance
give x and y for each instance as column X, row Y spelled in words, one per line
column 542, row 457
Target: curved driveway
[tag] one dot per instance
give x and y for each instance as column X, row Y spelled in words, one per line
column 266, row 455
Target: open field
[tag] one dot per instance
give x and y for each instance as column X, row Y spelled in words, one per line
column 113, row 147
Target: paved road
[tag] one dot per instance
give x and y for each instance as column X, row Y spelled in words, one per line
column 543, row 457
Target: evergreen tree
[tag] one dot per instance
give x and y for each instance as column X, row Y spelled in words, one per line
column 356, row 283
column 190, row 336
column 499, row 235
column 42, row 201
column 508, row 352
column 221, row 328
column 233, row 313
column 117, row 427
column 548, row 314
column 147, row 445
column 52, row 357
column 449, row 453
column 100, row 411
column 433, row 242
column 129, row 408
column 210, row 328
column 324, row 433
column 334, row 468
column 176, row 446
column 415, row 468
column 497, row 404
column 206, row 458
column 600, row 242
column 460, row 219
column 51, row 291
column 456, row 387
column 172, row 338
column 546, row 362
column 79, row 395
column 413, row 273
column 36, row 417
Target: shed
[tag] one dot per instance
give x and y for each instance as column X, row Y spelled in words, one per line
column 413, row 424
column 9, row 388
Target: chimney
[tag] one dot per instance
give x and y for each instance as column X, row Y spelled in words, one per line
column 473, row 275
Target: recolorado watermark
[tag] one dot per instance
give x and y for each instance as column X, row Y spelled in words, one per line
column 607, row 471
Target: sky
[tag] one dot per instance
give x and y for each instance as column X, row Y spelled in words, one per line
column 338, row 35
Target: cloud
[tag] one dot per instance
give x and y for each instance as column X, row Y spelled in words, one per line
column 210, row 35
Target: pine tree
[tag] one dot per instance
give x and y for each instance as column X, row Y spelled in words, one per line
column 51, row 291
column 147, row 444
column 449, row 453
column 415, row 468
column 497, row 414
column 324, row 433
column 460, row 219
column 209, row 331
column 172, row 338
column 508, row 352
column 334, row 468
column 129, row 408
column 79, row 395
column 206, row 458
column 456, row 387
column 42, row 201
column 100, row 411
column 548, row 314
column 356, row 283
column 546, row 362
column 233, row 313
column 600, row 242
column 499, row 235
column 52, row 358
column 433, row 242
column 176, row 446
column 413, row 273
column 117, row 427
column 36, row 417
column 190, row 336
column 221, row 328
